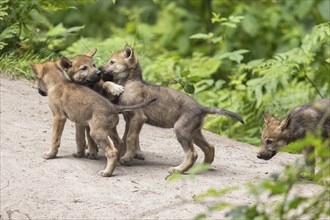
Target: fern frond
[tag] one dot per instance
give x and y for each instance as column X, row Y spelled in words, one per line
column 8, row 33
column 3, row 9
column 320, row 35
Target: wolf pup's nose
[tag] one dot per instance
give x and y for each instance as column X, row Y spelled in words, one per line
column 259, row 156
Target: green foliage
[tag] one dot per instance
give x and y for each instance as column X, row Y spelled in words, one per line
column 18, row 66
column 191, row 174
column 24, row 24
column 8, row 31
column 270, row 84
column 222, row 54
column 274, row 196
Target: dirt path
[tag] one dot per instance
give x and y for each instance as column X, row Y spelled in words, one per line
column 69, row 188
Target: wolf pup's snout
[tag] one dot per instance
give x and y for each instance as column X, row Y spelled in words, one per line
column 259, row 156
column 106, row 76
column 41, row 92
column 266, row 155
column 101, row 69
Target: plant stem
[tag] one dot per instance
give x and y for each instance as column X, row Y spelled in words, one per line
column 313, row 85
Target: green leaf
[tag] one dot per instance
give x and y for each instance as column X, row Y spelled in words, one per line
column 250, row 25
column 276, row 188
column 215, row 193
column 324, row 8
column 219, row 83
column 174, row 176
column 295, row 202
column 185, row 73
column 189, row 88
column 8, row 33
column 219, row 207
column 202, row 36
column 234, row 56
column 60, row 30
column 303, row 7
column 229, row 24
column 200, row 216
column 216, row 18
column 198, row 168
column 236, row 19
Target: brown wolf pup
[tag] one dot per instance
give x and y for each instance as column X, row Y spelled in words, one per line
column 173, row 109
column 307, row 118
column 81, row 105
column 103, row 85
column 93, row 80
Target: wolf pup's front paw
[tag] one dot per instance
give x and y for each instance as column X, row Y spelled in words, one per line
column 126, row 159
column 91, row 155
column 79, row 154
column 139, row 155
column 113, row 88
column 174, row 170
column 49, row 155
column 104, row 173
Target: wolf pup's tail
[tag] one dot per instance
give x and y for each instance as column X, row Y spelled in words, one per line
column 220, row 111
column 127, row 108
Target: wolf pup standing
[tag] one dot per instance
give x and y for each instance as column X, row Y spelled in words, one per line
column 307, row 118
column 94, row 81
column 173, row 109
column 81, row 105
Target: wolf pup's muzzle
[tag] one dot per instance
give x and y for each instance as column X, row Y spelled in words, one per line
column 41, row 92
column 266, row 156
column 94, row 78
column 106, row 76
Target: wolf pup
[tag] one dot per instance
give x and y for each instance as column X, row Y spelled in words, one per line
column 94, row 81
column 81, row 105
column 173, row 109
column 307, row 118
column 103, row 85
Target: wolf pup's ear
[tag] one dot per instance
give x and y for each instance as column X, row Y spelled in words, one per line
column 267, row 117
column 65, row 63
column 36, row 68
column 128, row 51
column 33, row 67
column 285, row 122
column 129, row 54
column 91, row 53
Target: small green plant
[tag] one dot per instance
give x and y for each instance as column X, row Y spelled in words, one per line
column 275, row 197
column 191, row 174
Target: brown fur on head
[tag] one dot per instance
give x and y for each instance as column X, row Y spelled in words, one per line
column 81, row 68
column 40, row 71
column 274, row 136
column 122, row 65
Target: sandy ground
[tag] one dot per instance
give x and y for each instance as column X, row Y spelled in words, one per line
column 69, row 188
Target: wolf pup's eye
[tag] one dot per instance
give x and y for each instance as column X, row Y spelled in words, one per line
column 94, row 65
column 111, row 62
column 269, row 142
column 83, row 68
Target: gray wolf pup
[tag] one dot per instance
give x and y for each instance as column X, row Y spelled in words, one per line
column 173, row 109
column 307, row 118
